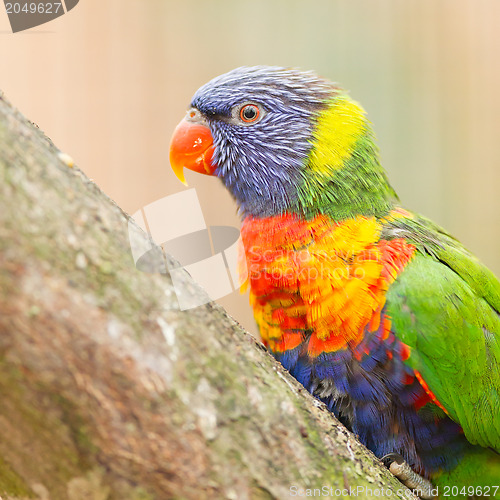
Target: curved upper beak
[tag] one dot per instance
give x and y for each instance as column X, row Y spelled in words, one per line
column 191, row 147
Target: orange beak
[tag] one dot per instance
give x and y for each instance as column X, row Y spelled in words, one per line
column 192, row 147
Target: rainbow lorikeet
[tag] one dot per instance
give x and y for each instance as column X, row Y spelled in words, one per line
column 377, row 311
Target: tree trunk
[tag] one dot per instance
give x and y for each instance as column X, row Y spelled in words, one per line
column 109, row 391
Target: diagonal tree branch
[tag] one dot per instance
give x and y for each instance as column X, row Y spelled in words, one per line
column 109, row 391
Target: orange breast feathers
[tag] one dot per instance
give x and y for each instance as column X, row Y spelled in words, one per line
column 320, row 277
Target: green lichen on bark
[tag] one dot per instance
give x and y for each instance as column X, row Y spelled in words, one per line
column 12, row 483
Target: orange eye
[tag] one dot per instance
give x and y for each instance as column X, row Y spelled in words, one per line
column 249, row 113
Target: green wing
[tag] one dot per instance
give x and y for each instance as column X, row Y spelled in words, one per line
column 445, row 305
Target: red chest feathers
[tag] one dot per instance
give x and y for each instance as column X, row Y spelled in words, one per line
column 320, row 277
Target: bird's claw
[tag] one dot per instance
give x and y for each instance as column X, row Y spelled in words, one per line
column 399, row 468
column 392, row 457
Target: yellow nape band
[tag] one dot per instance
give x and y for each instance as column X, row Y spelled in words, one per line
column 337, row 131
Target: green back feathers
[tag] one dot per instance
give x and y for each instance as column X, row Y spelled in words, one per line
column 445, row 306
column 343, row 177
column 477, row 475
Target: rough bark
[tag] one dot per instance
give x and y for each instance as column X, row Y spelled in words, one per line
column 109, row 391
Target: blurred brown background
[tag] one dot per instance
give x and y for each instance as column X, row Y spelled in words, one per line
column 109, row 81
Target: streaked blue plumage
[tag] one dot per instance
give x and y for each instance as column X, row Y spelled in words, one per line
column 371, row 391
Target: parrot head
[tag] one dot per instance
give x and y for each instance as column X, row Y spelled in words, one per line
column 283, row 140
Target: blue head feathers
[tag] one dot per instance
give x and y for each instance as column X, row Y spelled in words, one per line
column 261, row 162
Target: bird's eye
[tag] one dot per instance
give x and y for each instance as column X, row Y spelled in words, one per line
column 249, row 113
